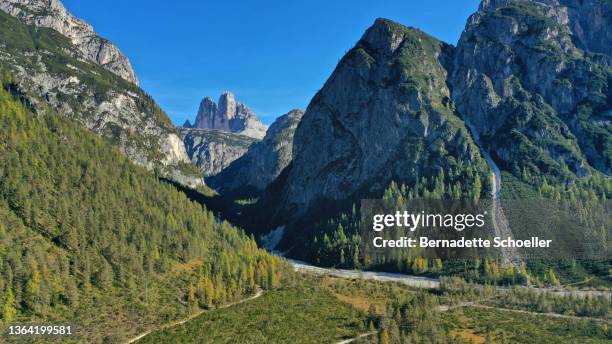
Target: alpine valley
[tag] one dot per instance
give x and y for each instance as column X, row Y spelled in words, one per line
column 225, row 230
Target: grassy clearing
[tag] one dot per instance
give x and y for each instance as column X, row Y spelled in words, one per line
column 303, row 314
column 507, row 327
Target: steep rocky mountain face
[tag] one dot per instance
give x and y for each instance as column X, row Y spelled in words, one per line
column 529, row 79
column 534, row 80
column 51, row 69
column 263, row 162
column 212, row 150
column 229, row 115
column 384, row 114
column 52, row 14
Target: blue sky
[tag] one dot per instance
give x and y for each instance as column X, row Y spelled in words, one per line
column 274, row 55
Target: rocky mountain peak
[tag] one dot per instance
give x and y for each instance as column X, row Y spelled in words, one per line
column 528, row 78
column 250, row 174
column 384, row 36
column 52, row 14
column 229, row 115
column 206, row 115
column 387, row 98
column 227, row 105
column 291, row 118
column 541, row 69
column 587, row 20
column 295, row 114
column 491, row 5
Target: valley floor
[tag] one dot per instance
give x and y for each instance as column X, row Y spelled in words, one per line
column 341, row 306
column 423, row 282
column 192, row 316
column 294, row 314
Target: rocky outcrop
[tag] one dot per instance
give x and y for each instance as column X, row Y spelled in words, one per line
column 588, row 21
column 52, row 14
column 533, row 78
column 52, row 73
column 212, row 150
column 384, row 114
column 229, row 115
column 529, row 78
column 250, row 174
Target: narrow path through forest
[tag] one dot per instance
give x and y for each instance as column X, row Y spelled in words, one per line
column 445, row 308
column 363, row 335
column 192, row 316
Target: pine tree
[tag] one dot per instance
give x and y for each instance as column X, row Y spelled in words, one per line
column 8, row 310
column 32, row 289
column 383, row 336
column 191, row 297
column 210, row 293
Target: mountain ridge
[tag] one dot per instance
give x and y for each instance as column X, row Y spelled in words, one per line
column 50, row 70
column 89, row 238
column 52, row 14
column 521, row 57
column 376, row 111
column 395, row 109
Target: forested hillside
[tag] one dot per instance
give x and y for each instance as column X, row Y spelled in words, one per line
column 89, row 238
column 52, row 72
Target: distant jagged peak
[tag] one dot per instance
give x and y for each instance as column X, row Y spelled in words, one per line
column 53, row 15
column 229, row 115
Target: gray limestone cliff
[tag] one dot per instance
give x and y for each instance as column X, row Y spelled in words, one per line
column 384, row 114
column 54, row 73
column 229, row 115
column 533, row 78
column 263, row 162
column 529, row 78
column 212, row 150
column 52, row 14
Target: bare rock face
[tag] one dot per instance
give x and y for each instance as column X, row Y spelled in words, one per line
column 212, row 150
column 250, row 174
column 533, row 78
column 53, row 73
column 52, row 14
column 207, row 117
column 384, row 114
column 588, row 21
column 229, row 115
column 529, row 78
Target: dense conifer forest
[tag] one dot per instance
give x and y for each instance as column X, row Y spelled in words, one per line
column 88, row 237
